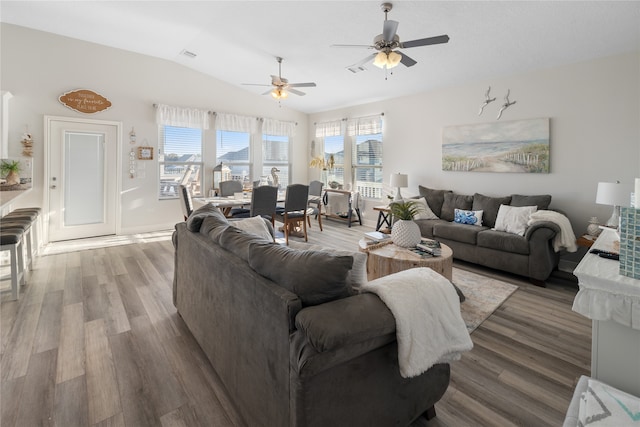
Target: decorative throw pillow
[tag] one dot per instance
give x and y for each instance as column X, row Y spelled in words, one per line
column 513, row 219
column 425, row 211
column 435, row 198
column 254, row 225
column 454, row 201
column 468, row 217
column 489, row 206
column 194, row 222
column 316, row 277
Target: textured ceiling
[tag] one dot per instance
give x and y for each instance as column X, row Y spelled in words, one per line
column 237, row 41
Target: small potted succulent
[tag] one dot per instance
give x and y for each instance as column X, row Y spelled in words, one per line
column 405, row 232
column 10, row 169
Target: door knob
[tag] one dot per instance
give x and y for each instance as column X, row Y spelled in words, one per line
column 53, row 187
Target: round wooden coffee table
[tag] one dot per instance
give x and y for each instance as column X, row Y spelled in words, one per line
column 387, row 259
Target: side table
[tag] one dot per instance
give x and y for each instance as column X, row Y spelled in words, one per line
column 384, row 217
column 389, row 258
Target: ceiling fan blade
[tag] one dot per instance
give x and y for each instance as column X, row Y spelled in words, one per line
column 267, row 92
column 358, row 66
column 310, row 84
column 254, row 84
column 389, row 30
column 353, row 45
column 424, row 42
column 297, row 92
column 406, row 61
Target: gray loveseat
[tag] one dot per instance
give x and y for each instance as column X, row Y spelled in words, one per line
column 531, row 255
column 290, row 340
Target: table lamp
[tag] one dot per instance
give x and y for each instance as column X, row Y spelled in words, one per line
column 612, row 194
column 398, row 180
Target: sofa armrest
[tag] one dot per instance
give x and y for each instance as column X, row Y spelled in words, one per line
column 345, row 321
column 545, row 230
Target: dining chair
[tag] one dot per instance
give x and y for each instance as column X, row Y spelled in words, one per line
column 295, row 209
column 185, row 201
column 263, row 203
column 315, row 202
column 230, row 188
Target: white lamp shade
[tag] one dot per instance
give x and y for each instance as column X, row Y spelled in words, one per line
column 612, row 194
column 399, row 180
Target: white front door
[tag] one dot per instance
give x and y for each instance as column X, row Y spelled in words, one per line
column 82, row 178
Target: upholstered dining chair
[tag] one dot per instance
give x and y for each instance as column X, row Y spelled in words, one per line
column 185, row 201
column 230, row 188
column 263, row 203
column 295, row 209
column 315, row 202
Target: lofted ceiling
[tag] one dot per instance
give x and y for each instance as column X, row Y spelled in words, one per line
column 237, row 41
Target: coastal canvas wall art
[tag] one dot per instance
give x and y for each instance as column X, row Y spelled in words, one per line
column 515, row 146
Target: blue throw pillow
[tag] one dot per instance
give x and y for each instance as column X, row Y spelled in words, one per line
column 467, row 217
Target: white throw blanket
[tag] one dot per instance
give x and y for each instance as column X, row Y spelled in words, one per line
column 429, row 326
column 565, row 239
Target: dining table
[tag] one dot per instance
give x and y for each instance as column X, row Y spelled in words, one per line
column 226, row 203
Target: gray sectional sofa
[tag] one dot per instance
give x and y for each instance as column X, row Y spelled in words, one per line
column 289, row 339
column 531, row 255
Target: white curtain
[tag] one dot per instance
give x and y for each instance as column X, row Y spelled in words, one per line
column 235, row 122
column 365, row 126
column 278, row 127
column 328, row 129
column 168, row 115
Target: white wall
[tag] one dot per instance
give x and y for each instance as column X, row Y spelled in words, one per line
column 595, row 132
column 594, row 109
column 38, row 67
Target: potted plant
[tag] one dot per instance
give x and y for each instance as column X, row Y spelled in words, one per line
column 10, row 169
column 405, row 232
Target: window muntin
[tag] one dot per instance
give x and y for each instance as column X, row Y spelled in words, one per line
column 179, row 160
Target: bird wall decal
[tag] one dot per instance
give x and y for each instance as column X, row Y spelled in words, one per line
column 486, row 102
column 506, row 104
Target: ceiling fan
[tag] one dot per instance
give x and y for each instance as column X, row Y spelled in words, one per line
column 281, row 86
column 387, row 43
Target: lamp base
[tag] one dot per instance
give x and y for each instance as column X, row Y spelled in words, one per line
column 614, row 221
column 398, row 196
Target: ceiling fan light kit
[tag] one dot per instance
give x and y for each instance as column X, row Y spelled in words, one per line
column 281, row 86
column 387, row 43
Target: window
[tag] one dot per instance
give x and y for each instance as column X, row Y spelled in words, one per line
column 180, row 160
column 366, row 134
column 334, row 158
column 234, row 150
column 275, row 154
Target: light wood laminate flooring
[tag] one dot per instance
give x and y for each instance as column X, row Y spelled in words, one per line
column 95, row 341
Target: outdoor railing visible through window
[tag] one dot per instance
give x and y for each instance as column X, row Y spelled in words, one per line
column 179, row 160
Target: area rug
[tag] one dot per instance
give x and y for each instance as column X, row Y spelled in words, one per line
column 483, row 294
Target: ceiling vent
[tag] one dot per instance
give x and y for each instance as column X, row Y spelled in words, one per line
column 188, row 54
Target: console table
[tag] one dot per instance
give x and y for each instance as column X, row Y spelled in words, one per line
column 351, row 203
column 612, row 301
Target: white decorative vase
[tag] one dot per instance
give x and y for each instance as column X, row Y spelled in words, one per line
column 593, row 228
column 405, row 233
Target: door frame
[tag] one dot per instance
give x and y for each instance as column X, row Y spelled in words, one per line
column 47, row 158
